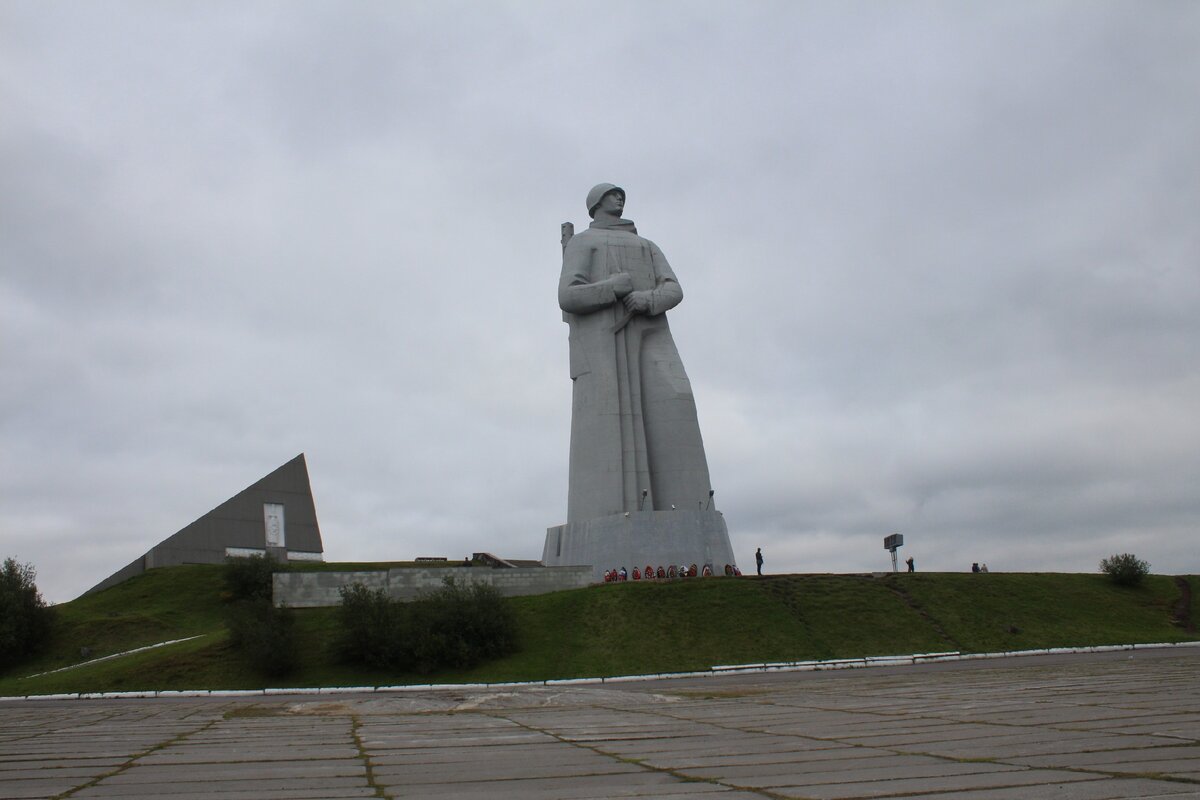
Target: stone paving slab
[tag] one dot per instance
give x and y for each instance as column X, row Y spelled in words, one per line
column 491, row 754
column 1062, row 741
column 1133, row 719
column 942, row 783
column 623, row 785
column 35, row 788
column 1147, row 755
column 769, row 759
column 237, row 793
column 881, row 768
column 322, row 787
column 243, row 770
column 1091, row 790
column 35, row 772
column 1080, row 727
column 468, row 773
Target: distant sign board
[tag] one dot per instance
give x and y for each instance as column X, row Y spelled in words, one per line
column 893, row 541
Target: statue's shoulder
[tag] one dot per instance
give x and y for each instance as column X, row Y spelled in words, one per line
column 589, row 239
column 584, row 240
column 600, row 236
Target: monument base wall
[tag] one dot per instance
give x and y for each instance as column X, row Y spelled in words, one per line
column 323, row 589
column 641, row 538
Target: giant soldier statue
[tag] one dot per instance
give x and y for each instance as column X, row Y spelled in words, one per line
column 639, row 491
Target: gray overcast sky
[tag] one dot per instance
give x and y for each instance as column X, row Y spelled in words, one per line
column 941, row 264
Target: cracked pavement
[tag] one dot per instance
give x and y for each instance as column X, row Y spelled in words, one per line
column 1078, row 727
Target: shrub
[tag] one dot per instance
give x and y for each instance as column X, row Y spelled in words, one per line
column 250, row 578
column 264, row 635
column 24, row 616
column 1125, row 569
column 457, row 626
column 372, row 629
column 460, row 625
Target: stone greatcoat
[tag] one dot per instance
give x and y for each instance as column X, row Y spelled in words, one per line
column 633, row 416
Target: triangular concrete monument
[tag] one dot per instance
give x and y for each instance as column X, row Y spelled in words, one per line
column 275, row 515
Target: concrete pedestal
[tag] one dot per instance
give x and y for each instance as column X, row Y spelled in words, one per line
column 641, row 538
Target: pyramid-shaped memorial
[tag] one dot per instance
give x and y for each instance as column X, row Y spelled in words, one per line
column 274, row 515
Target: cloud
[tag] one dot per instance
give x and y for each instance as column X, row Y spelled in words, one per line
column 940, row 267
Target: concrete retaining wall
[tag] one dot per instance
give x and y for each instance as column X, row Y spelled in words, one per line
column 320, row 589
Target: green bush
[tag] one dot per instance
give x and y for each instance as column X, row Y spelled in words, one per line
column 1125, row 569
column 460, row 625
column 264, row 635
column 457, row 626
column 372, row 629
column 250, row 578
column 24, row 616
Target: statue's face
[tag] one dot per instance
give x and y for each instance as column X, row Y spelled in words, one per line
column 612, row 203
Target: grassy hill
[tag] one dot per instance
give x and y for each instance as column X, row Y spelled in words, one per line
column 623, row 628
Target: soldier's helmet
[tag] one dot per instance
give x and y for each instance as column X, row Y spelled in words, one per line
column 597, row 193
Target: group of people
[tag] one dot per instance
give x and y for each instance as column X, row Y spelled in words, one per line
column 651, row 573
column 975, row 566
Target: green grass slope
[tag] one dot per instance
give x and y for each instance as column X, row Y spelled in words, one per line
column 626, row 628
column 153, row 607
column 1022, row 611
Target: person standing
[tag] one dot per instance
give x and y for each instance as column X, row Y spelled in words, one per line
column 758, row 559
column 912, row 565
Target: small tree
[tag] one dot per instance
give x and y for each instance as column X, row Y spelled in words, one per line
column 1125, row 569
column 373, row 629
column 24, row 616
column 460, row 625
column 250, row 578
column 263, row 634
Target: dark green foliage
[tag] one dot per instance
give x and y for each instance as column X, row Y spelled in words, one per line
column 372, row 628
column 1125, row 569
column 24, row 616
column 250, row 578
column 457, row 626
column 264, row 635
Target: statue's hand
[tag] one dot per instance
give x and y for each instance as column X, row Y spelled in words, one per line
column 637, row 302
column 622, row 284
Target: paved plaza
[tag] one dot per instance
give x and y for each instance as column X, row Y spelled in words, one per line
column 1082, row 727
